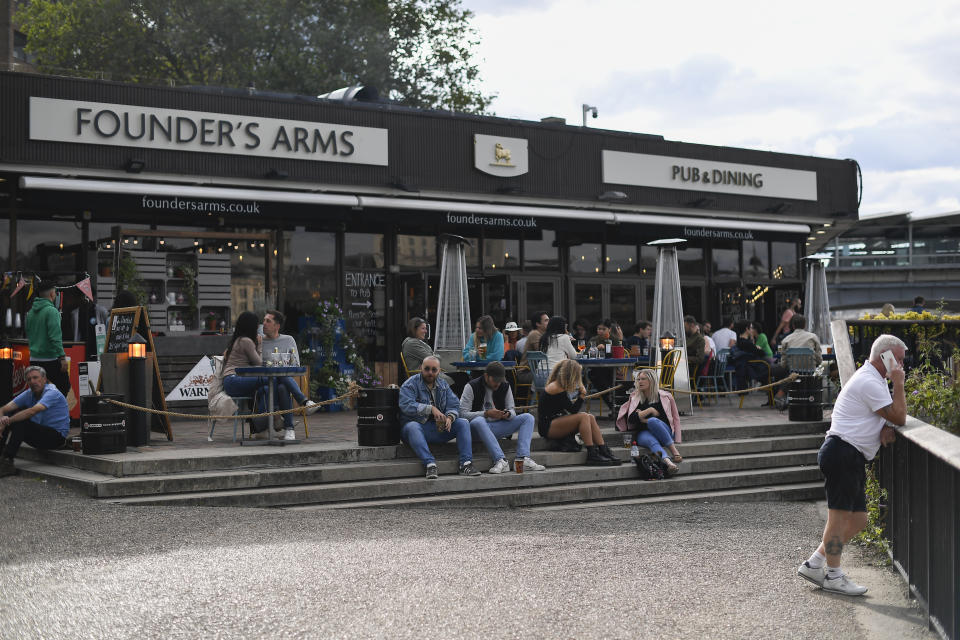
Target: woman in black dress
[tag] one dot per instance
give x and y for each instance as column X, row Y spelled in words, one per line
column 561, row 417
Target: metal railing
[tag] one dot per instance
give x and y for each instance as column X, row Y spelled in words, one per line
column 921, row 474
column 864, row 332
column 893, row 260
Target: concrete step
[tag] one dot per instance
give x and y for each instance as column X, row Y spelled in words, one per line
column 745, row 438
column 104, row 486
column 558, row 484
column 588, row 492
column 794, row 491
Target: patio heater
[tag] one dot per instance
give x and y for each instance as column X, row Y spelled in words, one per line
column 816, row 304
column 453, row 301
column 668, row 315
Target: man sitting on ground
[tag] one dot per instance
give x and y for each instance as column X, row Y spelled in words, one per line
column 430, row 413
column 798, row 338
column 38, row 416
column 487, row 403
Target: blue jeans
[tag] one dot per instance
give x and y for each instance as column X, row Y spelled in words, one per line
column 655, row 437
column 417, row 435
column 489, row 431
column 237, row 386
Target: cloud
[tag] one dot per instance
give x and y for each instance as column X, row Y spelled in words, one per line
column 876, row 82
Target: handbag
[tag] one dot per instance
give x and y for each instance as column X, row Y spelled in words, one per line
column 650, row 468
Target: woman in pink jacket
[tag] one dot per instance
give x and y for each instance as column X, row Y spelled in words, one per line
column 652, row 414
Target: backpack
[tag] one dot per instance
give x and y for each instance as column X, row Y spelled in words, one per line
column 650, row 468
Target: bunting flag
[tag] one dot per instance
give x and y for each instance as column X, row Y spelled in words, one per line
column 20, row 285
column 30, row 292
column 84, row 286
column 7, row 277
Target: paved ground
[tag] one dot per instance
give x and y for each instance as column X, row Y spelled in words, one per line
column 71, row 567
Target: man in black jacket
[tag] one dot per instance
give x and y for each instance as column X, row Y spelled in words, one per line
column 487, row 403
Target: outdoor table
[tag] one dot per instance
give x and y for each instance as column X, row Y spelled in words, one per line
column 271, row 373
column 607, row 363
column 479, row 365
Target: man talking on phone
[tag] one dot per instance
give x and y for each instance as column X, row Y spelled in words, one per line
column 861, row 422
column 487, row 403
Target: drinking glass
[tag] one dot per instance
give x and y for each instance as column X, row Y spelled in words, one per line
column 581, row 345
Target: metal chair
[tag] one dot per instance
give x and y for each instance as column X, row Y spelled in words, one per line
column 668, row 368
column 714, row 380
column 244, row 403
column 800, row 360
column 524, row 389
column 537, row 361
column 406, row 370
column 769, row 390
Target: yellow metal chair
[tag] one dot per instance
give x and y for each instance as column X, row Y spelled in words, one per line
column 769, row 390
column 303, row 381
column 406, row 370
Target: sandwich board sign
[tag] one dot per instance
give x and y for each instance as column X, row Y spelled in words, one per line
column 195, row 384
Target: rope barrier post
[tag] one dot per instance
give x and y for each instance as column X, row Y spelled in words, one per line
column 138, row 428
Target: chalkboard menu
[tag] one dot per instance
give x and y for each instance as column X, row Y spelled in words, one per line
column 123, row 323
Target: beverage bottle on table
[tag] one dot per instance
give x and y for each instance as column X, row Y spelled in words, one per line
column 275, row 359
column 608, row 346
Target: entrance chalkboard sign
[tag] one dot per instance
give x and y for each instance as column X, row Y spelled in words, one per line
column 122, row 324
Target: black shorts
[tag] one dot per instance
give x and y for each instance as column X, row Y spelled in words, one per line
column 845, row 473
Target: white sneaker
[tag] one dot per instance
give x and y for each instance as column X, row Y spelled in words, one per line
column 500, row 467
column 529, row 464
column 843, row 584
column 814, row 575
column 290, row 434
column 312, row 407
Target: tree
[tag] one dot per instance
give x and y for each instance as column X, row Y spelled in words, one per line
column 417, row 52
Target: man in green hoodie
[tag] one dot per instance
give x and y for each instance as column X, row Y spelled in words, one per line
column 46, row 337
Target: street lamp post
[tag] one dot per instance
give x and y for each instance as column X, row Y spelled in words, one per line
column 138, row 430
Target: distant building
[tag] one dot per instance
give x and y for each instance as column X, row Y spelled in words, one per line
column 13, row 55
column 892, row 258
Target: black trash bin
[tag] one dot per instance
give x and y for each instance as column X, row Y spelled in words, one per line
column 806, row 399
column 378, row 417
column 103, row 426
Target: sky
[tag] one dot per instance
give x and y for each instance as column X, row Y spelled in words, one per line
column 877, row 81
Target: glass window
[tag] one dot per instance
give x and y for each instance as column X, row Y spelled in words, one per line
column 690, row 261
column 623, row 306
column 648, row 261
column 363, row 250
column 756, row 262
column 501, row 253
column 691, row 296
column 585, row 258
column 48, row 247
column 542, row 254
column 310, row 273
column 4, row 245
column 784, row 260
column 587, row 305
column 416, row 251
column 621, row 258
column 726, row 258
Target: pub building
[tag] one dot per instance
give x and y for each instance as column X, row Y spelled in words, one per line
column 221, row 200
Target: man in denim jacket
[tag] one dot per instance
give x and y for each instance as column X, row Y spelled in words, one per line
column 430, row 413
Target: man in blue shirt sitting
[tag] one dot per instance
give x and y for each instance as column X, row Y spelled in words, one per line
column 39, row 416
column 430, row 412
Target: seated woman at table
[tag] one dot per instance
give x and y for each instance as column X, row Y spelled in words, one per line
column 744, row 358
column 556, row 343
column 414, row 347
column 653, row 418
column 560, row 417
column 760, row 339
column 485, row 333
column 244, row 350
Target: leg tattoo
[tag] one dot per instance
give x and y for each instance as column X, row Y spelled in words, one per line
column 833, row 546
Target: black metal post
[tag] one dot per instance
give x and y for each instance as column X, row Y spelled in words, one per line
column 6, row 380
column 138, row 428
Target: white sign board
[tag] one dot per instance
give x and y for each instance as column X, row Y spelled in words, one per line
column 501, row 157
column 668, row 172
column 195, row 384
column 123, row 125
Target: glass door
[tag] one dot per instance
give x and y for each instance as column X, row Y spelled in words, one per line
column 528, row 295
column 620, row 300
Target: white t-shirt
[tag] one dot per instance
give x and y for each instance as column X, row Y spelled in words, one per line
column 723, row 337
column 854, row 418
column 711, row 346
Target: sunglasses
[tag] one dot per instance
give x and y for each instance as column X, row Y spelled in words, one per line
column 431, row 369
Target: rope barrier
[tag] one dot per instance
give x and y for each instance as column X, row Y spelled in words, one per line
column 351, row 393
column 789, row 378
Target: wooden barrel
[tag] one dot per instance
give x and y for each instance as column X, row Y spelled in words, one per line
column 806, row 399
column 378, row 417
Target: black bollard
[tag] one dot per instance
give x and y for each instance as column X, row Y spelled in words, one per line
column 138, row 428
